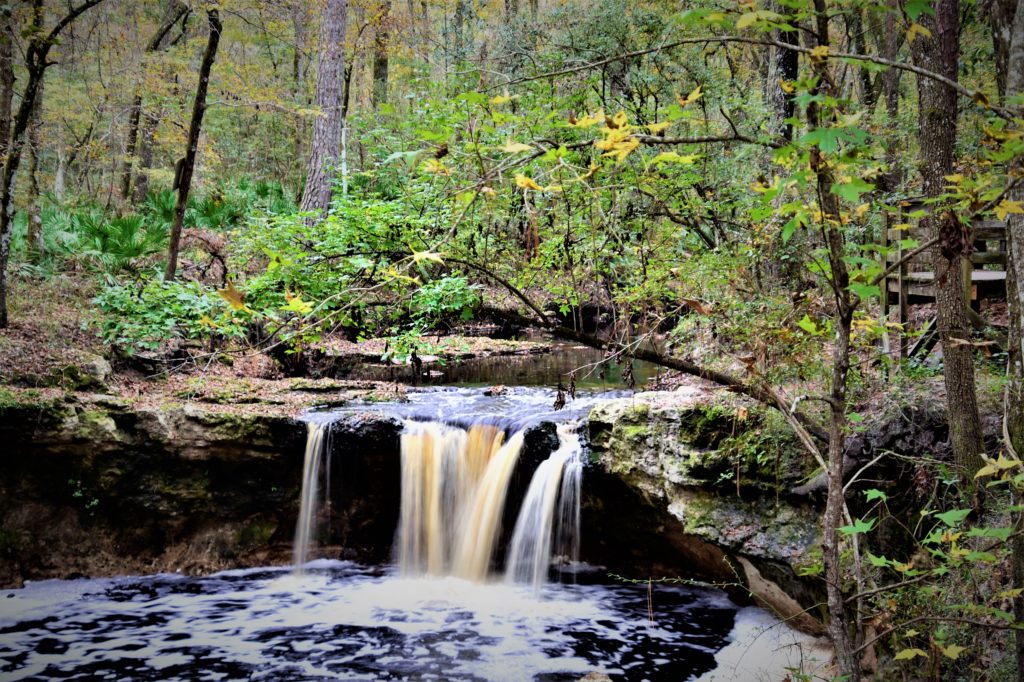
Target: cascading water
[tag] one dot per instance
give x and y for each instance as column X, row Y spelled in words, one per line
column 555, row 487
column 347, row 621
column 454, row 488
column 318, row 447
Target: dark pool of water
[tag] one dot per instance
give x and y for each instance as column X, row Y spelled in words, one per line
column 541, row 369
column 352, row 622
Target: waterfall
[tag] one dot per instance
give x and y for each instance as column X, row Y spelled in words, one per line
column 555, row 482
column 318, row 445
column 454, row 487
column 454, row 483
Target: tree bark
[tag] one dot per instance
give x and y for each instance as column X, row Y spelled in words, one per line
column 6, row 77
column 380, row 55
column 34, row 231
column 937, row 120
column 1014, row 69
column 187, row 164
column 158, row 42
column 36, row 53
column 323, row 153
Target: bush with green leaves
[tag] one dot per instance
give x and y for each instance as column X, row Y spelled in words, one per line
column 146, row 314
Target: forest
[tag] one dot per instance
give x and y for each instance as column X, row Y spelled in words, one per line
column 815, row 205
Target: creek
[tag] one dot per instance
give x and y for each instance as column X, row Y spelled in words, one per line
column 486, row 581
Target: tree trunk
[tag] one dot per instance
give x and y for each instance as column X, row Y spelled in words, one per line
column 34, row 231
column 937, row 136
column 6, row 77
column 300, row 20
column 323, row 153
column 1000, row 18
column 36, row 53
column 157, row 42
column 183, row 178
column 380, row 56
column 1014, row 70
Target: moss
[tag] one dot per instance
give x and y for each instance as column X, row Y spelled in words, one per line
column 255, row 534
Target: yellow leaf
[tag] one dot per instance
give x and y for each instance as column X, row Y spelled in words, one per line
column 786, row 86
column 234, row 297
column 861, row 210
column 500, row 99
column 208, row 321
column 658, row 127
column 1007, row 207
column 952, row 651
column 622, row 149
column 435, row 167
column 295, row 304
column 673, row 157
column 1010, row 594
column 917, row 30
column 691, row 98
column 980, row 98
column 618, row 121
column 420, row 256
column 488, row 192
column 589, row 120
column 527, row 182
column 553, row 188
column 516, row 147
column 612, row 138
column 908, row 654
column 746, row 20
column 819, row 54
column 956, row 178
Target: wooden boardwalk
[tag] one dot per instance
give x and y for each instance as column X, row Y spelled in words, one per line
column 912, row 283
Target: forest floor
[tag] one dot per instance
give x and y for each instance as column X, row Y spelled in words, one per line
column 51, row 347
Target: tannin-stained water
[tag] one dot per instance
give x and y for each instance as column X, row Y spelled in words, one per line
column 315, row 463
column 343, row 621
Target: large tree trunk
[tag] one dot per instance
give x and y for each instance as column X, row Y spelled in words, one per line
column 323, row 153
column 300, row 19
column 380, row 55
column 158, row 42
column 36, row 54
column 34, row 231
column 183, row 175
column 937, row 121
column 6, row 77
column 1013, row 67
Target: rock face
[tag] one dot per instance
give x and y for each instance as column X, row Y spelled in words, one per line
column 707, row 473
column 95, row 486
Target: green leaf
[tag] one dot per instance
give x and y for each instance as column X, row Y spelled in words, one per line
column 875, row 494
column 877, row 561
column 865, row 291
column 999, row 533
column 915, row 8
column 859, row 526
column 981, row 556
column 953, row 650
column 809, row 325
column 953, row 516
column 851, row 191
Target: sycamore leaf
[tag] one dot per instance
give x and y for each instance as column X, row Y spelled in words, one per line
column 908, row 654
column 234, row 297
column 500, row 99
column 787, row 87
column 917, row 30
column 526, row 182
column 515, row 147
column 877, row 561
column 658, row 127
column 616, row 122
column 953, row 650
column 746, row 20
column 1007, row 207
column 809, row 325
column 208, row 321
column 691, row 98
column 435, row 167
